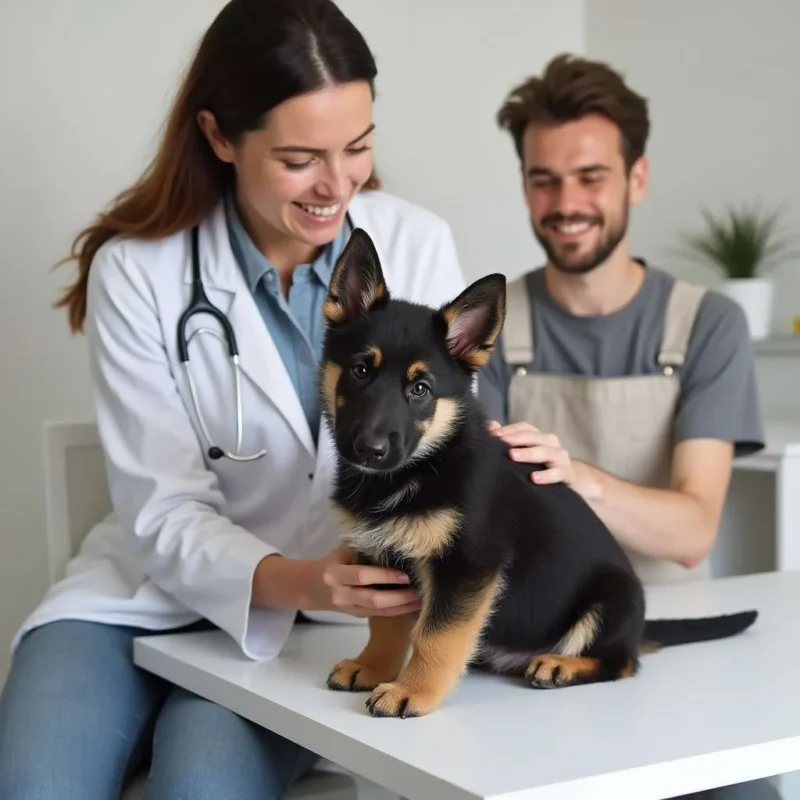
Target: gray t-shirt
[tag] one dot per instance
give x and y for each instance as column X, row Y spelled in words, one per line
column 718, row 388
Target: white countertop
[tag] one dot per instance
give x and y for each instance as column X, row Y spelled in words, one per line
column 697, row 716
column 782, row 439
column 782, row 436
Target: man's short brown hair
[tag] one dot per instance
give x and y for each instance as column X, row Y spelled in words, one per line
column 570, row 88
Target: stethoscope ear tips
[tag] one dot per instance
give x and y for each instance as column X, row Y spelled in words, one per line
column 215, row 453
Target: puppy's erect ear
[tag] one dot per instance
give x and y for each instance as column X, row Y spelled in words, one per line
column 474, row 320
column 357, row 285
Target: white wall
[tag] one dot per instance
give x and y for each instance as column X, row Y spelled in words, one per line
column 84, row 86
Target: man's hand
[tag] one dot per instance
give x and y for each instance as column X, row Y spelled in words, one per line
column 529, row 445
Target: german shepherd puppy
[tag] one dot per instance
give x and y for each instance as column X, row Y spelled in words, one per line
column 516, row 578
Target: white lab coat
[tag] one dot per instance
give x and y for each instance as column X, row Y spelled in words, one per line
column 188, row 532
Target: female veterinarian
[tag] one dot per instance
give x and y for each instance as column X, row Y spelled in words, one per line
column 264, row 168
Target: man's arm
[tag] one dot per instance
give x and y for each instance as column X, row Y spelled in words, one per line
column 718, row 418
column 679, row 523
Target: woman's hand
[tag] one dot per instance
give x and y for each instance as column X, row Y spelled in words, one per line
column 345, row 586
column 331, row 583
column 529, row 445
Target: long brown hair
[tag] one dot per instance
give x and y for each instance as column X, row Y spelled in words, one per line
column 255, row 55
column 570, row 88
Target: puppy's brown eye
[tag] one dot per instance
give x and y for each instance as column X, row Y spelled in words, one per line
column 360, row 371
column 420, row 389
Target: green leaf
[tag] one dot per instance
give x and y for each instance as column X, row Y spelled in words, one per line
column 740, row 243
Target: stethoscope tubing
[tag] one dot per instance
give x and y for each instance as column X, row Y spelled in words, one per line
column 200, row 304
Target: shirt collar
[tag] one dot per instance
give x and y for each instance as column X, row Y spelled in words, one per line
column 255, row 266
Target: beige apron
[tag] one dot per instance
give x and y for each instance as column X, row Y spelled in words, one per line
column 621, row 425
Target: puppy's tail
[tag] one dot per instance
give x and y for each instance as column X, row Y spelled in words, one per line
column 659, row 633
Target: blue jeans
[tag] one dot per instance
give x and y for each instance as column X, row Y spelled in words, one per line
column 77, row 718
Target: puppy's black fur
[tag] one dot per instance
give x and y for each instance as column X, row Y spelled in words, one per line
column 515, row 577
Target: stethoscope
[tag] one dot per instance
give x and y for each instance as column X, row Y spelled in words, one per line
column 200, row 304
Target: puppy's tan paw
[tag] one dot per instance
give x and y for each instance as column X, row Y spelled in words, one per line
column 351, row 676
column 552, row 671
column 399, row 700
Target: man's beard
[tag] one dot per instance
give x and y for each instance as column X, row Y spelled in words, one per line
column 605, row 247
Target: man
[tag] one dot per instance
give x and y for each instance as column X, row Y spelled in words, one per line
column 635, row 389
column 641, row 388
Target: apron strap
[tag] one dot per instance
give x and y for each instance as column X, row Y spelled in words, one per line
column 684, row 300
column 517, row 330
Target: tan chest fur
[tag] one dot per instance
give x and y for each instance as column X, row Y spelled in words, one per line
column 416, row 536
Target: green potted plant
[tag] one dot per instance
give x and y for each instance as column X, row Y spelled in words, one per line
column 743, row 245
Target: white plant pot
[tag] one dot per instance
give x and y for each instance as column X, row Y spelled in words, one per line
column 755, row 296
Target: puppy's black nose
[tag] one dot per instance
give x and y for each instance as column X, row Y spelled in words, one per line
column 371, row 448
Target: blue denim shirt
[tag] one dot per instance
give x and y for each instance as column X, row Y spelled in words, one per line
column 295, row 323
